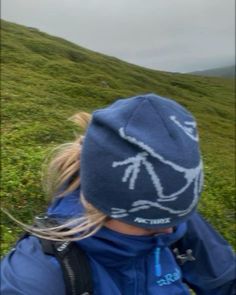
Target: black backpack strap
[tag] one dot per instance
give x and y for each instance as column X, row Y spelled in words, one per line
column 72, row 259
column 74, row 263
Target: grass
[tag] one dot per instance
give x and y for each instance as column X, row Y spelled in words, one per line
column 46, row 79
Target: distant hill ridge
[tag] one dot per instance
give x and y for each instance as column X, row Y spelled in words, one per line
column 46, row 79
column 227, row 72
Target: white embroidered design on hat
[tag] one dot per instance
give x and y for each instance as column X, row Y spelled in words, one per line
column 189, row 131
column 192, row 175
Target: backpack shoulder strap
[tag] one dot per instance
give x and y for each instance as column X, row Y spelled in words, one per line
column 74, row 263
column 72, row 259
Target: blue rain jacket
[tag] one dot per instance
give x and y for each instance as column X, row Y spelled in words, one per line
column 126, row 264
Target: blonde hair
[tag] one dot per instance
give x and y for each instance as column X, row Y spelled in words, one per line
column 60, row 176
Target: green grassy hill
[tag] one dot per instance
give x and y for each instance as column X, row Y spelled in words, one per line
column 46, row 79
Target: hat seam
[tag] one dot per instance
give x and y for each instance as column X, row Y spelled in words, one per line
column 163, row 121
column 136, row 109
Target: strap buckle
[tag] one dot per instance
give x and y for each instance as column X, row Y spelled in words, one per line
column 182, row 258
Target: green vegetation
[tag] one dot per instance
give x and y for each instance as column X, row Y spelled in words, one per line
column 46, row 79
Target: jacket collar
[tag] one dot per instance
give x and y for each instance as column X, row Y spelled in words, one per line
column 108, row 244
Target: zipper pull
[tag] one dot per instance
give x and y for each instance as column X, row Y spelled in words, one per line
column 157, row 262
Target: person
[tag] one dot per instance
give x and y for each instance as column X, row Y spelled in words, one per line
column 125, row 192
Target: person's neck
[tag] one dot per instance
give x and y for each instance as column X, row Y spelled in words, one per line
column 135, row 230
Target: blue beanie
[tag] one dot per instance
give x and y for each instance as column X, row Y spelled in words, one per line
column 141, row 163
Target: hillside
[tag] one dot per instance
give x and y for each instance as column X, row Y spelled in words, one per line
column 227, row 72
column 46, row 79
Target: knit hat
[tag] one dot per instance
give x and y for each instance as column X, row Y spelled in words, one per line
column 140, row 162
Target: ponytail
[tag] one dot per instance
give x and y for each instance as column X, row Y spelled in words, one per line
column 60, row 176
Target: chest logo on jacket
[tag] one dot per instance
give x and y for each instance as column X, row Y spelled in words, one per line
column 169, row 278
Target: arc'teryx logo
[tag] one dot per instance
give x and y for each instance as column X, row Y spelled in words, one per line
column 152, row 221
column 193, row 176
